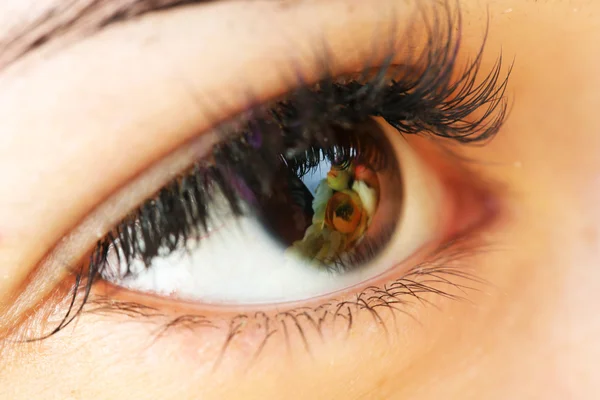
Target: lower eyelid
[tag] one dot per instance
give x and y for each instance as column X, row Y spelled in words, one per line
column 236, row 339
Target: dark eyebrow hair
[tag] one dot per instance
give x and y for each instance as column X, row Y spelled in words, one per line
column 78, row 19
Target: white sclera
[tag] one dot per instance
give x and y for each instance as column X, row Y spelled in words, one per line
column 239, row 263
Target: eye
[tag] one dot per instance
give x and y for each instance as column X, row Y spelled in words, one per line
column 304, row 196
column 342, row 184
column 271, row 216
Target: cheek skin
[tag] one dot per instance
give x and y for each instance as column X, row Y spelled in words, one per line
column 548, row 153
column 531, row 333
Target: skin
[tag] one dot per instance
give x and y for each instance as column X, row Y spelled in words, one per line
column 70, row 117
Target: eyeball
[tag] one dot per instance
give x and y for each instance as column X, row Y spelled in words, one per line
column 332, row 218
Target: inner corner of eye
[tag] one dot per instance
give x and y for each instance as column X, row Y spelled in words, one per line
column 273, row 221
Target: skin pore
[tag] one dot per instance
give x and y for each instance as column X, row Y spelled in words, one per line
column 90, row 113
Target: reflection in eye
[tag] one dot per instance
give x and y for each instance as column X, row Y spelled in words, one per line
column 343, row 207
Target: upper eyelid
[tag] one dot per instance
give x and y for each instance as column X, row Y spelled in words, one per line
column 74, row 86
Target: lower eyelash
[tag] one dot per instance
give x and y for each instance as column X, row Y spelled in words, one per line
column 444, row 274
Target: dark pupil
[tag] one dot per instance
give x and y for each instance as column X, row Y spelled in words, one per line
column 344, row 211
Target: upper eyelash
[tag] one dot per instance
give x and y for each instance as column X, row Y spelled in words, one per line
column 430, row 99
column 414, row 103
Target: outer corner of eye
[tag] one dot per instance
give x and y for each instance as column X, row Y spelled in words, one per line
column 269, row 221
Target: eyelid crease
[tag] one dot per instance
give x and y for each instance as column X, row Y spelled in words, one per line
column 76, row 20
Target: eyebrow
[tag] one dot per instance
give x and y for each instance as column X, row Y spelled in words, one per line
column 78, row 19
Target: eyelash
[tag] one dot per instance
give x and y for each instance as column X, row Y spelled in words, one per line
column 429, row 98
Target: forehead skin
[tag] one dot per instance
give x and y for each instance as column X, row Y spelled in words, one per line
column 532, row 334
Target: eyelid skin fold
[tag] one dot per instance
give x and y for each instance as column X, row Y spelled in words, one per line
column 149, row 94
